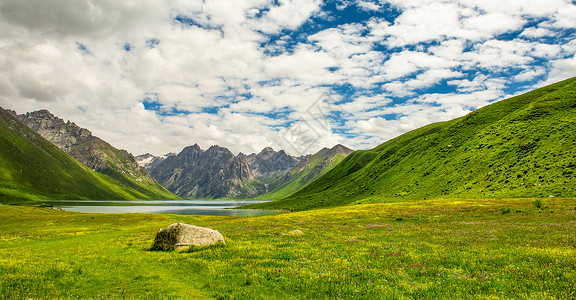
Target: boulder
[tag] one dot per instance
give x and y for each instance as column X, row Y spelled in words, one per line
column 180, row 236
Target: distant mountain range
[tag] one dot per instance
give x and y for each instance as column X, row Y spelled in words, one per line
column 524, row 146
column 218, row 173
column 309, row 168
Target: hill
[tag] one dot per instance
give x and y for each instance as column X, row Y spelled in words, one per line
column 307, row 170
column 524, row 146
column 32, row 168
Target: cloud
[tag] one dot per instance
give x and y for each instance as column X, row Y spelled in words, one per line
column 80, row 18
column 561, row 69
column 155, row 76
column 423, row 23
column 367, row 6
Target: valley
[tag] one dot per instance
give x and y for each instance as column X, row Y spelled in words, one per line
column 293, row 149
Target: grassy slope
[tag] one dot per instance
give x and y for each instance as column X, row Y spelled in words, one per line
column 125, row 170
column 477, row 249
column 520, row 147
column 300, row 177
column 32, row 168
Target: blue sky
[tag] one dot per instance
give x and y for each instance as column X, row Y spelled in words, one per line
column 156, row 76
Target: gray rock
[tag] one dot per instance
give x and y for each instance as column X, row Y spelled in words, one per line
column 180, row 236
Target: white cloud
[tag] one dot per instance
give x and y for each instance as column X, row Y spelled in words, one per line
column 536, row 32
column 220, row 62
column 368, row 6
column 81, row 18
column 566, row 16
column 419, row 24
column 562, row 69
column 530, row 74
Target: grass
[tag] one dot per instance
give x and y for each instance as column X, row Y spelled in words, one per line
column 435, row 249
column 519, row 147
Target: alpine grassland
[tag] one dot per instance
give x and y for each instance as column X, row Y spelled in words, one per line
column 523, row 146
column 433, row 249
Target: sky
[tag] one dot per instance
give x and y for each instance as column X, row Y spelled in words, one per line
column 158, row 75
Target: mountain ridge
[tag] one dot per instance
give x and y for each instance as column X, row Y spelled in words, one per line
column 307, row 170
column 93, row 152
column 193, row 174
column 32, row 168
column 212, row 173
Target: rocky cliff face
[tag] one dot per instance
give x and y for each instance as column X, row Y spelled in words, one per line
column 269, row 163
column 65, row 135
column 214, row 173
column 84, row 147
column 217, row 173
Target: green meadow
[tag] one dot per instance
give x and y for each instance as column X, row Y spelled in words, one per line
column 434, row 249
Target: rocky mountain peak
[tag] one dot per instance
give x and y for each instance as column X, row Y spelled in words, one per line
column 220, row 152
column 191, row 149
column 342, row 149
column 214, row 173
column 65, row 135
column 268, row 162
column 267, row 150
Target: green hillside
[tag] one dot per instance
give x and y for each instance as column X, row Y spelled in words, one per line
column 32, row 168
column 308, row 170
column 524, row 146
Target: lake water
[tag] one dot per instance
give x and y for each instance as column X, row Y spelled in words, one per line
column 179, row 207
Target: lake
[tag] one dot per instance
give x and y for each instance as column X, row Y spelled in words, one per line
column 179, row 207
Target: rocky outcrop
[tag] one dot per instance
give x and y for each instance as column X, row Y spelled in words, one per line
column 214, row 173
column 180, row 236
column 65, row 135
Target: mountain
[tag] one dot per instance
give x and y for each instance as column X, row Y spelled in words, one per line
column 217, row 173
column 32, row 168
column 269, row 165
column 519, row 147
column 268, row 162
column 307, row 170
column 148, row 160
column 214, row 173
column 93, row 152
